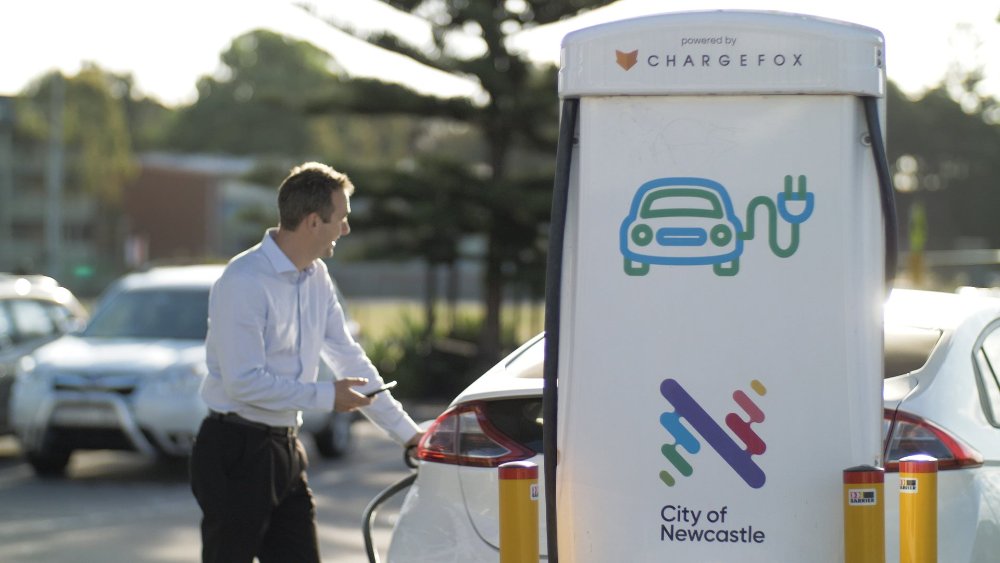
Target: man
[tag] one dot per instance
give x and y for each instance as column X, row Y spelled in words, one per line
column 272, row 313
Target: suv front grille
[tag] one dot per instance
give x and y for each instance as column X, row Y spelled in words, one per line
column 123, row 385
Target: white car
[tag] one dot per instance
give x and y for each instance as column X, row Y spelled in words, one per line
column 941, row 397
column 130, row 380
column 34, row 310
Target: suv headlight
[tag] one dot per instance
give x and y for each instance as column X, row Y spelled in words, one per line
column 25, row 366
column 27, row 373
column 30, row 380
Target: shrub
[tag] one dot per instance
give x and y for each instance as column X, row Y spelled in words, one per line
column 435, row 367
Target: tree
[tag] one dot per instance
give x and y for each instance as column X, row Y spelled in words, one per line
column 95, row 129
column 943, row 146
column 520, row 112
column 251, row 107
column 95, row 141
column 405, row 218
column 255, row 106
column 946, row 172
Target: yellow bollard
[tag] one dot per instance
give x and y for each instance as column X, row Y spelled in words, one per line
column 864, row 515
column 918, row 509
column 518, row 512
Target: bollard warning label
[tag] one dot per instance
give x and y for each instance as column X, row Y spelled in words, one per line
column 908, row 485
column 862, row 497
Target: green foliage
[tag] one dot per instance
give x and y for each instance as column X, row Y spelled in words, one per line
column 95, row 130
column 432, row 172
column 423, row 370
column 504, row 192
column 261, row 105
column 149, row 122
column 86, row 117
column 436, row 367
column 256, row 107
column 946, row 165
column 147, row 119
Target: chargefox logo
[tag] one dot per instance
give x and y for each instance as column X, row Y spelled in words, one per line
column 627, row 60
column 740, row 459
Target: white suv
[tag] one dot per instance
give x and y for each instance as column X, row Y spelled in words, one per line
column 131, row 379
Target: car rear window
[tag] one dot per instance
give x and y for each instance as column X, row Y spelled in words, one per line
column 519, row 419
column 907, row 348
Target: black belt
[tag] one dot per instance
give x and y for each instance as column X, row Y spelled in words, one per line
column 234, row 418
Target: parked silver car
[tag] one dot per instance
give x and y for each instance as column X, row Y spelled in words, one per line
column 131, row 379
column 34, row 310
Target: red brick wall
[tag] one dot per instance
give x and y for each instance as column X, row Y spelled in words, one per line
column 172, row 209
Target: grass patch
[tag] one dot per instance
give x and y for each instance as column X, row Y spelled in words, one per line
column 439, row 365
column 380, row 318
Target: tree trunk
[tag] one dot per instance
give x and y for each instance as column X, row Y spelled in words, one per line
column 489, row 342
column 452, row 293
column 490, row 346
column 430, row 300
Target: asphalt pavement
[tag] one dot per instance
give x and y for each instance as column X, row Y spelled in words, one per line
column 120, row 507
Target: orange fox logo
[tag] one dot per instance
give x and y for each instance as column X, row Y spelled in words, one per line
column 627, row 60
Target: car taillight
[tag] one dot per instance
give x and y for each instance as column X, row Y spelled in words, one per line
column 463, row 435
column 907, row 434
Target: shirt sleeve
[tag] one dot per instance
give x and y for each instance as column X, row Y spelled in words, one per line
column 238, row 310
column 348, row 359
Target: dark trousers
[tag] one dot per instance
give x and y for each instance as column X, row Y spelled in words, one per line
column 251, row 486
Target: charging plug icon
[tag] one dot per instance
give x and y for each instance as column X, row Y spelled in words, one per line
column 801, row 194
column 689, row 221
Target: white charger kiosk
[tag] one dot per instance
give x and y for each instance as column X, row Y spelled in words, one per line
column 721, row 226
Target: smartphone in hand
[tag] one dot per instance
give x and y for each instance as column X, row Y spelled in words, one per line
column 385, row 387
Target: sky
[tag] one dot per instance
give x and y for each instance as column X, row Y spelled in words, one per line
column 168, row 45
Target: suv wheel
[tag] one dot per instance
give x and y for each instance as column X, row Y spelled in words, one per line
column 49, row 462
column 335, row 439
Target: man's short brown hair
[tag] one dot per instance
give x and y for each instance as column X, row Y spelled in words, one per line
column 307, row 189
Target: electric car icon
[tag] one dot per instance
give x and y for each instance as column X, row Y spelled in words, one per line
column 681, row 221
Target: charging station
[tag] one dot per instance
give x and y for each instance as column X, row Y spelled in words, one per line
column 722, row 236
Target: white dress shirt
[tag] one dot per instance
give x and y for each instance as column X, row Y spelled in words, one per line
column 268, row 323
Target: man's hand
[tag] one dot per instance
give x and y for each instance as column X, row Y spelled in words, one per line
column 346, row 398
column 412, row 442
column 411, row 449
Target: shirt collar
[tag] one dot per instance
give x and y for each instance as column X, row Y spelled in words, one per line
column 279, row 261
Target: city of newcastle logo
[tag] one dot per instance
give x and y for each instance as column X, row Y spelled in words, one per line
column 626, row 60
column 739, row 458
